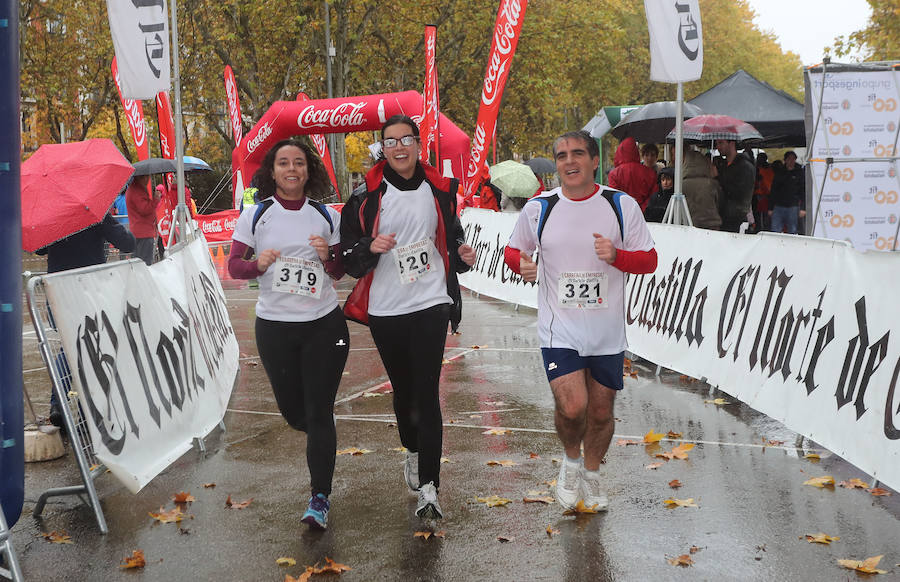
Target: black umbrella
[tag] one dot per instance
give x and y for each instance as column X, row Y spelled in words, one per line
column 541, row 165
column 652, row 122
column 154, row 166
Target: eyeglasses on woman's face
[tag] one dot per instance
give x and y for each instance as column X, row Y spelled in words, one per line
column 392, row 142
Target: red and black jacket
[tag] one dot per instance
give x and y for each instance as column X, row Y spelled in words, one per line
column 359, row 220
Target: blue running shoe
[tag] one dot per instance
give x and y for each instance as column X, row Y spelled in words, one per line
column 316, row 516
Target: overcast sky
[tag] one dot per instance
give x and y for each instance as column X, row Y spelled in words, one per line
column 806, row 27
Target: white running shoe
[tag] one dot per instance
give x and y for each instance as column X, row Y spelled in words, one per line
column 428, row 506
column 567, row 484
column 594, row 495
column 411, row 471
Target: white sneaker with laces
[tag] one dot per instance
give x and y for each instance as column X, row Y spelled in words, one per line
column 411, row 471
column 567, row 483
column 428, row 506
column 594, row 495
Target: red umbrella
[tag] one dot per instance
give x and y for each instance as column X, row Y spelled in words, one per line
column 709, row 127
column 69, row 187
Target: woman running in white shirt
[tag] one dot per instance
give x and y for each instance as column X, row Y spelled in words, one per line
column 402, row 238
column 289, row 242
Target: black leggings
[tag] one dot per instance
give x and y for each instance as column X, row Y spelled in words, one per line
column 305, row 362
column 412, row 350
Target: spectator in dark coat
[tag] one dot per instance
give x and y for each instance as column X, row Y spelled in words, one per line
column 656, row 208
column 737, row 179
column 630, row 175
column 788, row 190
column 701, row 191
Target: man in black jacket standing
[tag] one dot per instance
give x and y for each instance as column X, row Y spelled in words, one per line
column 788, row 189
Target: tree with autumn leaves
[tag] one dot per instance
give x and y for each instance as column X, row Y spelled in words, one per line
column 574, row 57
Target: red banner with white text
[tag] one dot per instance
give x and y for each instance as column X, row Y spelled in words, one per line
column 429, row 126
column 218, row 227
column 322, row 147
column 234, row 105
column 134, row 112
column 503, row 47
column 166, row 126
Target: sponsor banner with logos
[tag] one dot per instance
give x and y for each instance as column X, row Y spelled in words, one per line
column 676, row 40
column 431, row 107
column 218, row 227
column 321, row 144
column 503, row 48
column 234, row 105
column 166, row 126
column 856, row 117
column 796, row 327
column 152, row 353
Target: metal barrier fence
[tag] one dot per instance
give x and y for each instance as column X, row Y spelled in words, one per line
column 50, row 346
column 9, row 567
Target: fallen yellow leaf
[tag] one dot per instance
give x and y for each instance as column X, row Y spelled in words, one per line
column 580, row 508
column 399, row 449
column 446, row 460
column 504, row 463
column 654, row 465
column 232, row 505
column 675, row 484
column 496, row 431
column 653, row 437
column 136, row 560
column 209, row 485
column 825, row 481
column 493, row 500
column 539, row 499
column 626, row 442
column 353, row 451
column 673, row 435
column 717, row 402
column 867, row 566
column 172, row 516
column 183, row 497
column 677, row 452
column 673, row 503
column 534, row 456
column 854, row 484
column 286, row 561
column 428, row 534
column 879, row 492
column 58, row 537
column 682, row 560
column 550, row 483
column 812, row 456
column 550, row 531
column 820, row 538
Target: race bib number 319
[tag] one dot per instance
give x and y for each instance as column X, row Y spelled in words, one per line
column 583, row 290
column 298, row 277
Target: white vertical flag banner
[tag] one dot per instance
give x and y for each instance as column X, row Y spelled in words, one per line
column 676, row 40
column 140, row 34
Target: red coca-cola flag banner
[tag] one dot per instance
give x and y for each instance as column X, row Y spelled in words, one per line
column 234, row 105
column 431, row 104
column 134, row 112
column 166, row 126
column 503, row 47
column 218, row 227
column 322, row 147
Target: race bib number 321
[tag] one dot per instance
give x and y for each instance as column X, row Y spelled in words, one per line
column 298, row 277
column 583, row 290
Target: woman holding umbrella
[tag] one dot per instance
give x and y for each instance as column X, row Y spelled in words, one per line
column 289, row 241
column 402, row 238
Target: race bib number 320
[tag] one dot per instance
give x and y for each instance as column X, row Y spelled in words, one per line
column 583, row 290
column 415, row 260
column 298, row 277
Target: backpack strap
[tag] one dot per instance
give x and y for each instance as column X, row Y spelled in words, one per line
column 264, row 205
column 547, row 203
column 323, row 210
column 614, row 199
column 261, row 208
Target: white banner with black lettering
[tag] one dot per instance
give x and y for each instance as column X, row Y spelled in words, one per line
column 152, row 354
column 676, row 40
column 140, row 34
column 798, row 328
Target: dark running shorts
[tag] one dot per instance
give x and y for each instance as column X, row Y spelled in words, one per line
column 606, row 370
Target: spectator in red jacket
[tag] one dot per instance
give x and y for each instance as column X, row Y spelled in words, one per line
column 141, row 203
column 630, row 175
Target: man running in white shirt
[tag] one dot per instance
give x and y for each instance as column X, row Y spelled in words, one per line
column 588, row 236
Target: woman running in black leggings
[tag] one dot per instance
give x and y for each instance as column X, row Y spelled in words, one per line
column 289, row 242
column 402, row 238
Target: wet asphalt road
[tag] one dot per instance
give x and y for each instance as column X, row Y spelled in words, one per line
column 753, row 506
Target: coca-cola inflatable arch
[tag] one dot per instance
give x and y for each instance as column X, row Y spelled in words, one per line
column 342, row 115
